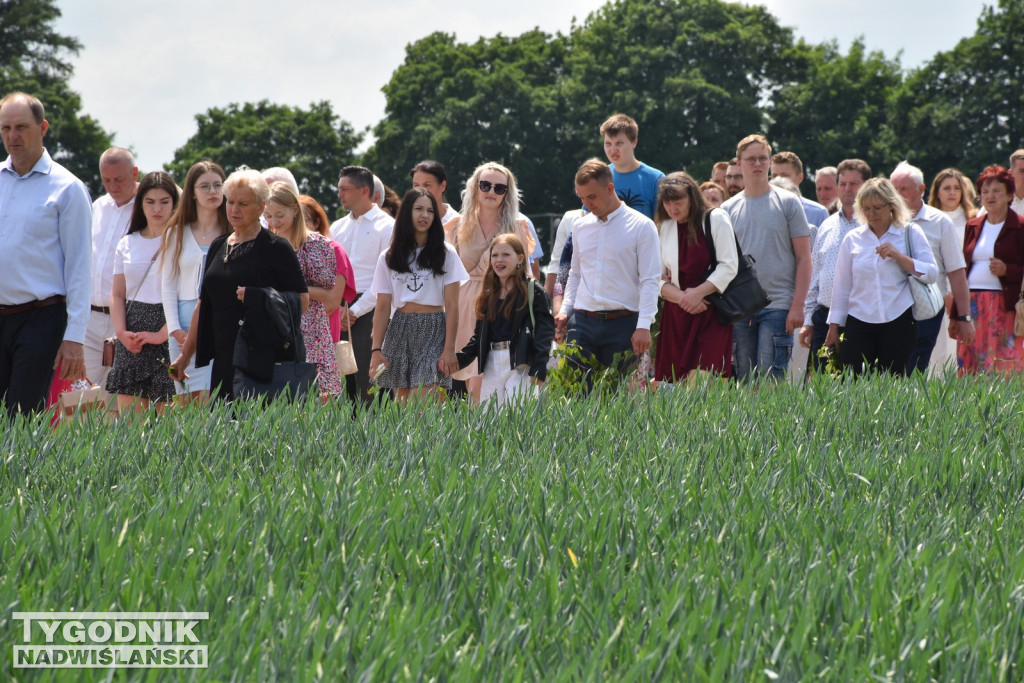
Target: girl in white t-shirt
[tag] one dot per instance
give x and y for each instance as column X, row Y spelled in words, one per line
column 419, row 276
column 139, row 374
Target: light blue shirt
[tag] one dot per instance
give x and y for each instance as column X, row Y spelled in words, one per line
column 46, row 240
column 538, row 250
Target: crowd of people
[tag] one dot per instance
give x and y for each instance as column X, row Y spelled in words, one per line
column 186, row 284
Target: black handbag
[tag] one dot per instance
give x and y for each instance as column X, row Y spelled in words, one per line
column 291, row 379
column 744, row 296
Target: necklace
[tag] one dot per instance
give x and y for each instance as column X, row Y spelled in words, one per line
column 228, row 246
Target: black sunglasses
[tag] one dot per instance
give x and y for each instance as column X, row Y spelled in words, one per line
column 487, row 186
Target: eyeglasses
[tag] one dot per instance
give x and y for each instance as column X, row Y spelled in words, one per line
column 206, row 187
column 753, row 161
column 487, row 186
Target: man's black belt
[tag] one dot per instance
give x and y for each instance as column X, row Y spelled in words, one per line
column 607, row 315
column 100, row 309
column 32, row 305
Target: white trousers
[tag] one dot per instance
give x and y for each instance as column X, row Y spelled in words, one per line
column 99, row 328
column 501, row 382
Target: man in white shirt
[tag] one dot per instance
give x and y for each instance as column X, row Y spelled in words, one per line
column 826, row 186
column 853, row 173
column 949, row 257
column 45, row 260
column 771, row 226
column 364, row 234
column 111, row 215
column 611, row 298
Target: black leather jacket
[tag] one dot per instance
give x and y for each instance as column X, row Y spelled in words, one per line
column 535, row 355
column 270, row 332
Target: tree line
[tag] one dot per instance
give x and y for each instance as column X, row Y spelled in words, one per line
column 697, row 75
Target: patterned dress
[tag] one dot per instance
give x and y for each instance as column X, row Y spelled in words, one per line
column 319, row 269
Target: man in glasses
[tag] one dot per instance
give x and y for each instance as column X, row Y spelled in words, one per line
column 636, row 183
column 111, row 214
column 611, row 297
column 771, row 227
column 364, row 234
column 733, row 178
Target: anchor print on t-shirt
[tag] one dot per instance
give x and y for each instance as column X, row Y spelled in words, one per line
column 415, row 280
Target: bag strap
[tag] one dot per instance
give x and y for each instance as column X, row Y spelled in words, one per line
column 529, row 301
column 141, row 282
column 346, row 319
column 711, row 242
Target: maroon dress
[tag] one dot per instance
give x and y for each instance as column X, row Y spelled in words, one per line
column 687, row 342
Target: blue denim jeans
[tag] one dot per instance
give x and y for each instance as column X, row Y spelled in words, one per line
column 761, row 345
column 927, row 335
column 602, row 339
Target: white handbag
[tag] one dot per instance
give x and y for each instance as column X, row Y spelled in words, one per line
column 927, row 298
column 344, row 352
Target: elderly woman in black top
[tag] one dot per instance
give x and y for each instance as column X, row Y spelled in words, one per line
column 248, row 256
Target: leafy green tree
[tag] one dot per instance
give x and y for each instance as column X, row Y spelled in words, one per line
column 837, row 107
column 965, row 107
column 314, row 144
column 33, row 59
column 693, row 73
column 464, row 104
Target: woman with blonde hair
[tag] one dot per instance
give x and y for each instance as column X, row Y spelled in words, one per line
column 490, row 207
column 248, row 256
column 199, row 219
column 871, row 294
column 319, row 269
column 952, row 193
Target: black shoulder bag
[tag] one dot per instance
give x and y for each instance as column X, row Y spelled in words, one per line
column 744, row 296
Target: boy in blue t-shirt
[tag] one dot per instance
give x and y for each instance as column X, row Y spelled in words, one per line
column 636, row 183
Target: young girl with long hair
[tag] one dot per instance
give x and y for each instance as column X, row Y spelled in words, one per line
column 490, row 207
column 514, row 330
column 419, row 275
column 319, row 269
column 139, row 375
column 199, row 219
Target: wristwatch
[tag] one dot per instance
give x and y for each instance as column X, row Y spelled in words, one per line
column 965, row 318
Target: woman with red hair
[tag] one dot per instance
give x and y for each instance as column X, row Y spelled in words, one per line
column 994, row 251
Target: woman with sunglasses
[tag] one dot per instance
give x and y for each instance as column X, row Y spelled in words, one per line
column 490, row 207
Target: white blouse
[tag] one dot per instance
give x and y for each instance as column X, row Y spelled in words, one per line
column 421, row 286
column 133, row 258
column 185, row 285
column 980, row 277
column 725, row 250
column 873, row 289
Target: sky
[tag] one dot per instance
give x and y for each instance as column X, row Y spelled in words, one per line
column 148, row 67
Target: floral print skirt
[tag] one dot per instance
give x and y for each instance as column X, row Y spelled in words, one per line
column 995, row 349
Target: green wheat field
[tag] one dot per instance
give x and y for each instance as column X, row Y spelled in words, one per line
column 868, row 530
